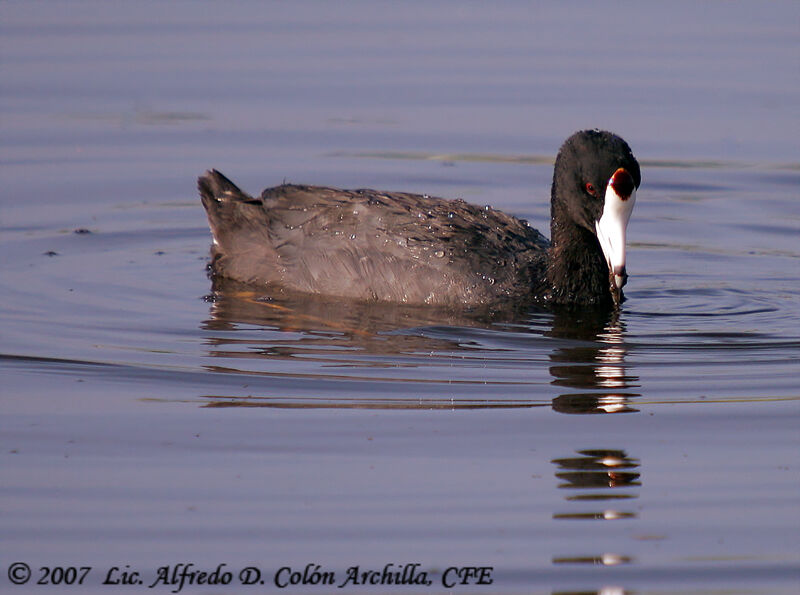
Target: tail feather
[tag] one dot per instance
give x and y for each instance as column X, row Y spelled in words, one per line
column 241, row 247
column 216, row 188
column 232, row 214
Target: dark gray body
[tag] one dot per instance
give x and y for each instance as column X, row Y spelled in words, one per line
column 370, row 245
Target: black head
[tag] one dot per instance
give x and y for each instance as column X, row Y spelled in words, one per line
column 594, row 189
column 584, row 165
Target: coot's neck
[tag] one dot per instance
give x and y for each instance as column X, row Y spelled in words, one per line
column 577, row 273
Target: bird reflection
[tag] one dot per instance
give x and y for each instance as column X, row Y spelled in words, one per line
column 321, row 324
column 590, row 354
column 599, row 483
column 326, row 338
column 598, row 469
column 234, row 304
column 321, row 338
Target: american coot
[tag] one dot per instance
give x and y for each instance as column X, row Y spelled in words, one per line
column 417, row 249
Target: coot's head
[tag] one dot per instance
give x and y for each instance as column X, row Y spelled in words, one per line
column 594, row 188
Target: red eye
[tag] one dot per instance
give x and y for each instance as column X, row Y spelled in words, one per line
column 591, row 189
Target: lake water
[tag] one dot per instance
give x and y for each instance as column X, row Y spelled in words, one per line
column 150, row 419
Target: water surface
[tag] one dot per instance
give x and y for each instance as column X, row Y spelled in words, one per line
column 150, row 417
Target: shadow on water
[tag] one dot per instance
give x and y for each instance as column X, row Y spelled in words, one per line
column 586, row 349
